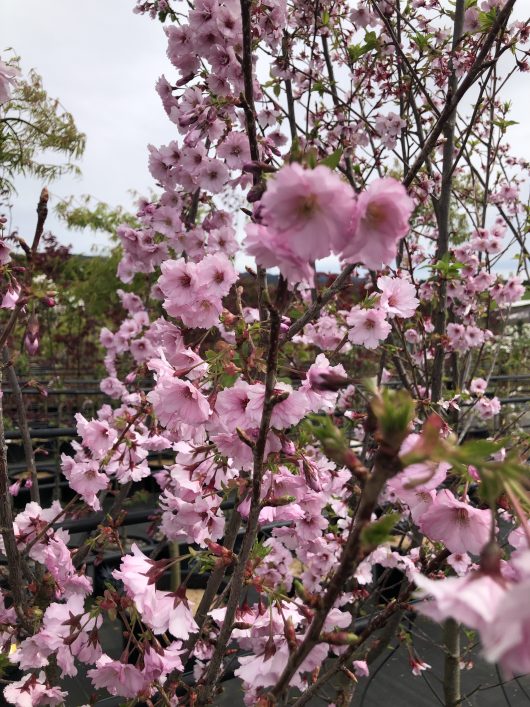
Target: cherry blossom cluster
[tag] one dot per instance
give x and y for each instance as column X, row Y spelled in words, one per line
column 290, row 478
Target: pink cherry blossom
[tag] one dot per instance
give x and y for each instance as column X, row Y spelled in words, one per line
column 85, row 478
column 217, row 274
column 506, row 639
column 416, row 479
column 360, row 668
column 486, row 408
column 161, row 611
column 310, row 208
column 460, row 562
column 33, row 690
column 5, row 251
column 398, row 297
column 178, row 401
column 58, row 562
column 472, row 600
column 272, row 249
column 318, row 384
column 32, row 522
column 378, row 223
column 478, row 386
column 460, row 526
column 231, row 406
column 10, row 298
column 96, row 435
column 178, row 282
column 368, row 327
column 66, row 631
column 118, row 678
column 235, row 150
column 285, row 413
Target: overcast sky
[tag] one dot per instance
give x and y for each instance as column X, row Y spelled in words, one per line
column 102, row 62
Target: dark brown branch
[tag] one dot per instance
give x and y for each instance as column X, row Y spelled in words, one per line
column 42, row 213
column 14, row 559
column 443, row 212
column 214, row 582
column 210, row 678
column 312, row 313
column 336, row 101
column 386, row 465
column 22, row 424
column 478, row 65
column 291, row 116
column 19, row 306
column 452, row 690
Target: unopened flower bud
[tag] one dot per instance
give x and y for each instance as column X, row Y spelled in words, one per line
column 256, row 192
column 490, row 559
column 258, row 167
column 339, row 638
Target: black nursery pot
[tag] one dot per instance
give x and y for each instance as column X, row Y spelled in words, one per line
column 46, row 479
column 388, row 581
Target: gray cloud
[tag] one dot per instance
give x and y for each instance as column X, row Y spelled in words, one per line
column 102, row 62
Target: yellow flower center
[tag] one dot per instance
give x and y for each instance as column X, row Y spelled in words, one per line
column 307, row 205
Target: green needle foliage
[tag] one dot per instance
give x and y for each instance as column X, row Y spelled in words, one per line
column 34, row 131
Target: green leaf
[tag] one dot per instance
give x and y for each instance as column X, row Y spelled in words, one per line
column 394, row 411
column 421, row 40
column 319, row 87
column 477, row 450
column 448, row 269
column 371, row 41
column 356, row 51
column 503, row 124
column 487, row 19
column 332, row 161
column 379, row 531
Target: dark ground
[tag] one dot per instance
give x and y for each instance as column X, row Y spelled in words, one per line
column 391, row 683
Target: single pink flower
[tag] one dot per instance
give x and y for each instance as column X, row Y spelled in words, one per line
column 235, row 150
column 379, row 222
column 478, row 386
column 369, row 327
column 216, row 274
column 472, row 600
column 398, row 297
column 10, row 298
column 311, row 208
column 360, row 668
column 318, row 385
column 506, row 639
column 231, row 406
column 5, row 251
column 418, row 666
column 97, row 435
column 85, row 479
column 118, row 678
column 179, row 401
column 178, row 282
column 460, row 562
column 272, row 249
column 460, row 526
column 416, row 479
